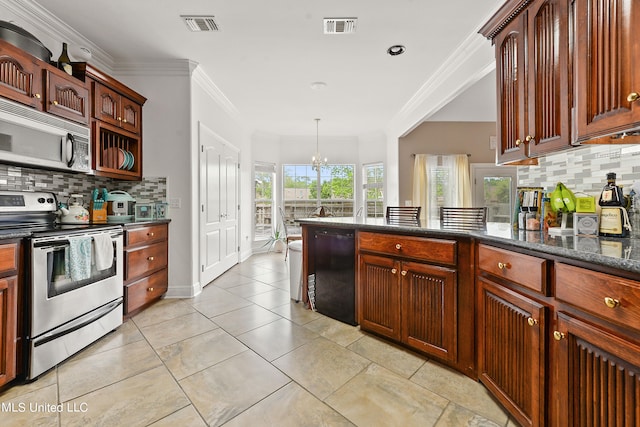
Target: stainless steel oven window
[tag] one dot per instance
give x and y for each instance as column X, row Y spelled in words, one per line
column 58, row 279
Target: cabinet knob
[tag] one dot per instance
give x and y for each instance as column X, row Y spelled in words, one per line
column 633, row 96
column 150, row 234
column 403, row 272
column 150, row 258
column 394, row 271
column 518, row 142
column 529, row 138
column 532, row 322
column 37, row 96
column 558, row 336
column 398, row 246
column 503, row 265
column 611, row 302
column 119, row 119
column 54, row 102
column 124, row 121
column 150, row 289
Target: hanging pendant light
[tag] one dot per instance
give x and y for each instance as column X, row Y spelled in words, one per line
column 317, row 160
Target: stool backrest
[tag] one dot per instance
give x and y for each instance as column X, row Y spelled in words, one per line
column 464, row 218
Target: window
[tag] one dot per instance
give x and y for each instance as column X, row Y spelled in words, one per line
column 305, row 189
column 373, row 199
column 441, row 181
column 264, row 177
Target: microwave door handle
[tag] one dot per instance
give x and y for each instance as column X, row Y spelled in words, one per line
column 70, row 142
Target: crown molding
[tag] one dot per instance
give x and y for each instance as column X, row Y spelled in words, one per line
column 168, row 67
column 204, row 81
column 44, row 21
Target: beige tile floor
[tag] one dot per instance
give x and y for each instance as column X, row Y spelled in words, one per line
column 243, row 354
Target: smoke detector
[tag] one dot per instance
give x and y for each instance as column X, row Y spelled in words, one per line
column 340, row 25
column 201, row 23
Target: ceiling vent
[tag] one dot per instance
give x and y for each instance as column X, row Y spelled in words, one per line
column 201, row 23
column 340, row 25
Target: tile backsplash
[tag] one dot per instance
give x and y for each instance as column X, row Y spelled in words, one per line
column 584, row 169
column 62, row 184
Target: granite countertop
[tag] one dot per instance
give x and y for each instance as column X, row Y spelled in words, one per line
column 619, row 253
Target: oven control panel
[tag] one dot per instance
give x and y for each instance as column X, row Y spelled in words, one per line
column 25, row 201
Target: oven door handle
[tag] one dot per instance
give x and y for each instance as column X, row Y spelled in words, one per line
column 78, row 323
column 63, row 242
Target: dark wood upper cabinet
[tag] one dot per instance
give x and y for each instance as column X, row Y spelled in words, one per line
column 607, row 69
column 549, row 76
column 532, row 41
column 20, row 76
column 512, row 93
column 67, row 97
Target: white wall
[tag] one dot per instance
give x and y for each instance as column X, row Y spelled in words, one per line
column 167, row 152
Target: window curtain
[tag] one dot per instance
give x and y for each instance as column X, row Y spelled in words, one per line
column 441, row 181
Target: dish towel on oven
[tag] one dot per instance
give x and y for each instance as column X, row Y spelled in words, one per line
column 102, row 251
column 79, row 258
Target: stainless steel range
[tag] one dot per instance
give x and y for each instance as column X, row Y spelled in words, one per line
column 74, row 288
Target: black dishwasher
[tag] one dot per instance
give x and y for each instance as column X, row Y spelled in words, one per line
column 335, row 274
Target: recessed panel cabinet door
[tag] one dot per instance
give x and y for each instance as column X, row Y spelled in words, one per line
column 8, row 328
column 598, row 376
column 511, row 87
column 20, row 76
column 549, row 89
column 429, row 321
column 607, row 66
column 379, row 295
column 511, row 350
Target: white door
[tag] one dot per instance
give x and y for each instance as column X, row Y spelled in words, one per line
column 494, row 187
column 219, row 248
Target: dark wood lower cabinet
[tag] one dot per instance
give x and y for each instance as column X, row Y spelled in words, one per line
column 8, row 328
column 597, row 375
column 410, row 302
column 379, row 295
column 511, row 350
column 428, row 309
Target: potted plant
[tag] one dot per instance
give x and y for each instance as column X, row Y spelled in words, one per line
column 276, row 241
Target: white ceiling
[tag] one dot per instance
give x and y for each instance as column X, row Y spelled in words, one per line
column 267, row 53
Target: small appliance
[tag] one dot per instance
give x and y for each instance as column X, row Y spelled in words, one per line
column 120, row 206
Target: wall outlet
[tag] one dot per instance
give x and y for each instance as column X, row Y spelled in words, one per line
column 174, row 203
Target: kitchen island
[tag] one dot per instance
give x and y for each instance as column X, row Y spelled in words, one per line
column 531, row 316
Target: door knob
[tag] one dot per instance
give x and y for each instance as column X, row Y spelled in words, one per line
column 532, row 322
column 518, row 142
column 394, row 271
column 529, row 138
column 558, row 336
column 633, row 96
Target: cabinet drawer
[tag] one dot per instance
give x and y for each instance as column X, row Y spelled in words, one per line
column 8, row 258
column 145, row 290
column 610, row 297
column 143, row 260
column 146, row 234
column 524, row 270
column 420, row 248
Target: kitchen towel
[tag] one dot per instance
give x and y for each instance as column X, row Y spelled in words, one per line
column 79, row 258
column 102, row 251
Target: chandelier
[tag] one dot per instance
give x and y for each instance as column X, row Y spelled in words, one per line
column 317, row 160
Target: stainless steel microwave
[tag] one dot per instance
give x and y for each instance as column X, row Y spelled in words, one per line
column 33, row 138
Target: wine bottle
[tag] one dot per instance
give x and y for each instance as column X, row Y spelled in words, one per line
column 64, row 63
column 611, row 194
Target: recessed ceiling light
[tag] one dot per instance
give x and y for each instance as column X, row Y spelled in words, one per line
column 318, row 85
column 396, row 49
